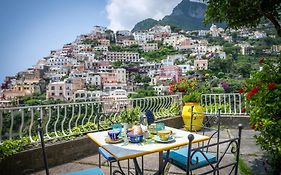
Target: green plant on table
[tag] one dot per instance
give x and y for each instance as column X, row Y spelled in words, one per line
column 263, row 92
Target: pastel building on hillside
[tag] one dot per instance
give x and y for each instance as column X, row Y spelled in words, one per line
column 64, row 90
column 122, row 56
column 200, row 64
column 147, row 47
column 171, row 73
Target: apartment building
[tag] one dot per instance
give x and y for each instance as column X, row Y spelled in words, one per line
column 122, row 56
column 147, row 47
column 128, row 43
column 64, row 90
column 83, row 95
column 172, row 73
column 143, row 37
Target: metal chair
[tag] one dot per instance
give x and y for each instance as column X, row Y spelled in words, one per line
column 90, row 171
column 206, row 154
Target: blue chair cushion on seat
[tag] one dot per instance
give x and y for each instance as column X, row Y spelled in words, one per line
column 91, row 171
column 179, row 158
column 106, row 154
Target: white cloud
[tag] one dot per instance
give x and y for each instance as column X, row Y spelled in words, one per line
column 124, row 14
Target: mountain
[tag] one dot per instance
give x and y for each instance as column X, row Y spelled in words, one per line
column 187, row 15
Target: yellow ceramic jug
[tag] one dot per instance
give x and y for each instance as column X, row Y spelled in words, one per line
column 197, row 118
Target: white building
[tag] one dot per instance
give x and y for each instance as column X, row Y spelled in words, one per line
column 143, row 37
column 93, row 79
column 102, row 48
column 83, row 95
column 161, row 90
column 61, row 61
column 185, row 68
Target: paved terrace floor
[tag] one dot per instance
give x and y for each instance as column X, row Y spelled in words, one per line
column 251, row 154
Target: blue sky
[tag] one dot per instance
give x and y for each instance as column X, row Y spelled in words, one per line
column 31, row 28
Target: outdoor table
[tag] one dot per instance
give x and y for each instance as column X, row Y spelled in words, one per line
column 122, row 151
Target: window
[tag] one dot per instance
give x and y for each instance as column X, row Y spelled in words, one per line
column 52, row 87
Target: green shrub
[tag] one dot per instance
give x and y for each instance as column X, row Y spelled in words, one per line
column 263, row 91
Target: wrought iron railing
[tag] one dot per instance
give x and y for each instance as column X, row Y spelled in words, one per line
column 62, row 120
column 229, row 103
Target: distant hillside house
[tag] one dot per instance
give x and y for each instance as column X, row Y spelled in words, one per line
column 64, row 90
column 83, row 95
column 143, row 37
column 128, row 43
column 201, row 64
column 172, row 73
column 147, row 47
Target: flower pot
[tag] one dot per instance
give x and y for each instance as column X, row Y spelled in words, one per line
column 197, row 118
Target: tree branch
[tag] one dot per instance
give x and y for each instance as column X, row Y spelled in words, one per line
column 270, row 16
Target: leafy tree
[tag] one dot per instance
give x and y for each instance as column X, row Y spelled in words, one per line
column 116, row 64
column 248, row 13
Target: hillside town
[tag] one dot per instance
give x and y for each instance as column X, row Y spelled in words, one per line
column 107, row 65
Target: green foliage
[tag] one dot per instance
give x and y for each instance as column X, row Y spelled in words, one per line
column 263, row 90
column 118, row 48
column 143, row 92
column 173, row 110
column 215, row 106
column 247, row 13
column 192, row 97
column 130, row 115
column 244, row 169
column 160, row 54
column 10, row 147
column 89, row 126
column 91, row 42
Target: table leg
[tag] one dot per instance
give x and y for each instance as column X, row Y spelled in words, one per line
column 137, row 167
column 120, row 171
column 162, row 163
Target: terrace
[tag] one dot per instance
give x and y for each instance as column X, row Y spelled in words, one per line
column 65, row 126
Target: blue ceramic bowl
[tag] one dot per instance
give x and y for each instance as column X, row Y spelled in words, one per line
column 113, row 134
column 135, row 138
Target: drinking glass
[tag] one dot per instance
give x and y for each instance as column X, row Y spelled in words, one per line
column 160, row 126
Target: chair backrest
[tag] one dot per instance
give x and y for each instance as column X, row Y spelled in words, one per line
column 41, row 136
column 210, row 126
column 149, row 117
column 231, row 145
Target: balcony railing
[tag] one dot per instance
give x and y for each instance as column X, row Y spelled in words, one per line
column 65, row 120
column 230, row 103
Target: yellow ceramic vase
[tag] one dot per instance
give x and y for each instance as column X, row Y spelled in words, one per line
column 197, row 118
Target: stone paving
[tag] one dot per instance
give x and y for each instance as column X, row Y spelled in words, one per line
column 250, row 153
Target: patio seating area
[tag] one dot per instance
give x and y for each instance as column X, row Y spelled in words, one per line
column 67, row 120
column 250, row 153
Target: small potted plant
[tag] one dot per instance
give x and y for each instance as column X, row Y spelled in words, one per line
column 129, row 116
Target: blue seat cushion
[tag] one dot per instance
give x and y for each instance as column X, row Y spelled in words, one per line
column 179, row 158
column 91, row 171
column 106, row 155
